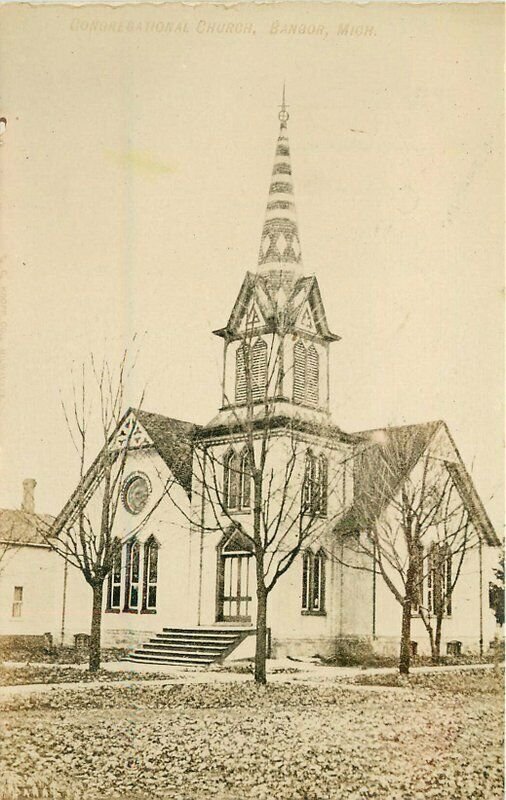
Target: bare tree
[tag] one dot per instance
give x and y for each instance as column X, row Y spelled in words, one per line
column 293, row 497
column 417, row 530
column 83, row 533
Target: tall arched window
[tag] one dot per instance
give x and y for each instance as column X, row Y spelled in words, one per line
column 245, row 480
column 306, row 374
column 232, row 479
column 150, row 583
column 323, row 480
column 132, row 576
column 113, row 602
column 307, row 558
column 315, row 486
column 313, row 582
column 308, row 489
column 439, row 579
column 237, row 480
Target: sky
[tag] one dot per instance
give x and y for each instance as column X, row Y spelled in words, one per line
column 135, row 169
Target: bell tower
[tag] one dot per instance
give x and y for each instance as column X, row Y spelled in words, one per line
column 276, row 341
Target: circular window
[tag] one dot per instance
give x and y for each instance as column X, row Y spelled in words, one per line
column 136, row 491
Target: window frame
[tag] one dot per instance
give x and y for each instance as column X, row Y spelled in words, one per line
column 313, row 583
column 315, row 484
column 237, row 480
column 132, row 546
column 112, row 583
column 150, row 546
column 17, row 602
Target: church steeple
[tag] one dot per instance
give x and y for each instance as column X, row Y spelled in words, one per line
column 278, row 321
column 280, row 244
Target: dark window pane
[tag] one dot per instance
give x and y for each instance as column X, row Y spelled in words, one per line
column 153, row 563
column 234, row 479
column 115, row 596
column 134, row 596
column 135, row 563
column 305, row 582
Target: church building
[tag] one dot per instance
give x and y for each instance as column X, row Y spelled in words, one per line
column 273, row 468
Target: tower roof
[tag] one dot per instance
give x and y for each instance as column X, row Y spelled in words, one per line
column 280, row 244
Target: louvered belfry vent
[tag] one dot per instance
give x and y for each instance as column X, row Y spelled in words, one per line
column 251, row 372
column 306, row 374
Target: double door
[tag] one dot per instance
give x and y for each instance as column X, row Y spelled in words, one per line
column 235, row 588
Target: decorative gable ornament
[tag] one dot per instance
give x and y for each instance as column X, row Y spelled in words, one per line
column 306, row 321
column 252, row 319
column 131, row 435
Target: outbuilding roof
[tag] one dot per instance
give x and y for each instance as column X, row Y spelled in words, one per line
column 20, row 527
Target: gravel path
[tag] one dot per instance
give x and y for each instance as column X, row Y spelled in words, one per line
column 306, row 674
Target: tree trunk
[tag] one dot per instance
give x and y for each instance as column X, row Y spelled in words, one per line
column 96, row 625
column 433, row 650
column 261, row 641
column 436, row 653
column 405, row 651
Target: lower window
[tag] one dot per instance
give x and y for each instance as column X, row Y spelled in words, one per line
column 17, row 603
column 313, row 582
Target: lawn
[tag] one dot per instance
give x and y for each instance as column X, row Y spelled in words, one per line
column 435, row 738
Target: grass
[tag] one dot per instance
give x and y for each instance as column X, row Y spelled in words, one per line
column 437, row 738
column 38, row 654
column 33, row 674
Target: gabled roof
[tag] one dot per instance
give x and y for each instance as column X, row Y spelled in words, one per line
column 20, row 527
column 387, row 459
column 265, row 289
column 172, row 439
column 472, row 502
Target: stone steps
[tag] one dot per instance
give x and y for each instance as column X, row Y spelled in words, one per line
column 189, row 646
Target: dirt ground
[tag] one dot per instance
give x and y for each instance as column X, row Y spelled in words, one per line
column 439, row 736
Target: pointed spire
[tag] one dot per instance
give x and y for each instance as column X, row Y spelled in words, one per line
column 280, row 244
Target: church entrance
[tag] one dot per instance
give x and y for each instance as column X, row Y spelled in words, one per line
column 235, row 565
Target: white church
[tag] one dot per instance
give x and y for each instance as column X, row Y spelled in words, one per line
column 183, row 585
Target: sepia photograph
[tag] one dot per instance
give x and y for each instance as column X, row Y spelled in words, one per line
column 252, row 401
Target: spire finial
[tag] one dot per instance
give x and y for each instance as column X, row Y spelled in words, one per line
column 283, row 114
column 280, row 245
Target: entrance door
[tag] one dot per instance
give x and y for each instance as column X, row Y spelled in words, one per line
column 236, row 593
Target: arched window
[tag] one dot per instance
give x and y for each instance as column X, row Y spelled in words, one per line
column 323, row 480
column 318, row 594
column 150, row 582
column 306, row 580
column 237, row 480
column 312, row 375
column 245, row 480
column 309, row 485
column 299, row 372
column 113, row 601
column 315, row 486
column 439, row 579
column 313, row 582
column 306, row 374
column 418, row 576
column 132, row 576
column 232, row 480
